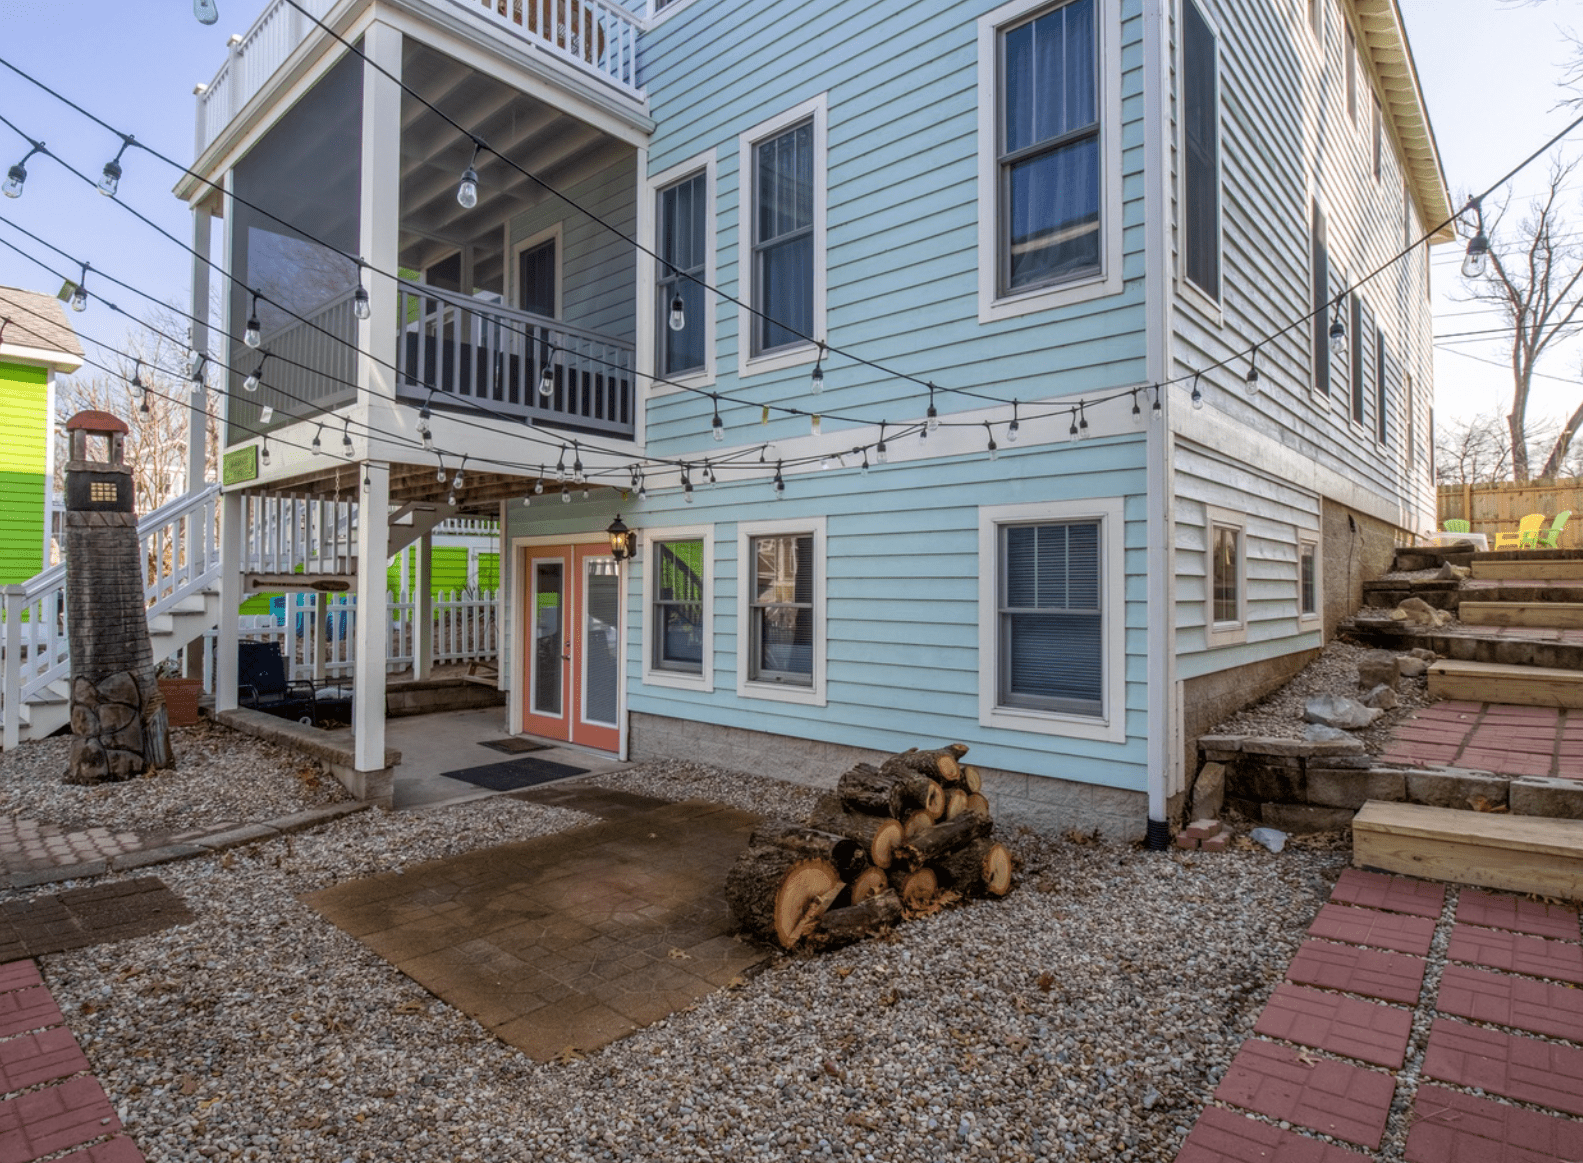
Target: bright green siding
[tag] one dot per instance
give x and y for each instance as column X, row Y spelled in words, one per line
column 449, row 566
column 24, row 429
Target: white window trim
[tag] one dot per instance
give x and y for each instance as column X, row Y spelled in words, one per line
column 1111, row 725
column 811, row 696
column 655, row 676
column 1186, row 288
column 818, row 108
column 1233, row 632
column 993, row 306
column 514, row 267
column 664, row 14
column 1306, row 537
column 648, row 271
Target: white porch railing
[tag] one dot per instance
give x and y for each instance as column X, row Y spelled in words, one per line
column 454, row 345
column 596, row 38
column 181, row 557
column 311, row 369
column 317, row 633
column 283, row 535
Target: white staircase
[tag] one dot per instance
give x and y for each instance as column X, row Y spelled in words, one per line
column 181, row 556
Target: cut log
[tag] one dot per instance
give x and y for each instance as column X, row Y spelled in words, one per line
column 955, row 803
column 869, row 883
column 970, row 869
column 997, row 875
column 915, row 824
column 942, row 838
column 853, row 923
column 938, row 764
column 978, row 802
column 845, row 853
column 777, row 894
column 971, row 779
column 889, row 792
column 917, row 888
column 879, row 835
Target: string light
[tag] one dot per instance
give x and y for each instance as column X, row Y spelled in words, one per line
column 1014, row 428
column 566, row 494
column 205, row 11
column 717, row 426
column 1198, row 393
column 1137, row 412
column 456, row 481
column 110, row 179
column 253, row 335
column 1082, row 420
column 709, row 474
column 880, row 454
column 361, row 307
column 263, row 456
column 994, row 450
column 318, row 445
column 467, row 189
column 266, row 414
column 687, row 486
column 813, row 424
column 1252, row 378
column 137, row 372
column 1156, row 411
column 346, row 439
column 824, row 463
column 678, row 319
column 547, row 373
column 1476, row 263
column 1338, row 333
column 450, row 498
column 79, row 293
column 816, row 380
column 251, row 383
column 1071, row 433
column 560, row 467
column 578, row 476
column 643, row 487
column 16, row 176
column 779, row 483
column 425, row 433
column 195, row 361
column 439, row 473
column 932, row 417
column 538, row 484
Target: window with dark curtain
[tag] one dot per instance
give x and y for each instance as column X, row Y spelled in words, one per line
column 683, row 223
column 1381, row 364
column 1359, row 344
column 783, row 231
column 1321, row 301
column 1051, row 623
column 1201, row 139
column 536, row 279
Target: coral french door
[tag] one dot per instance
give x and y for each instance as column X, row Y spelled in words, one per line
column 571, row 641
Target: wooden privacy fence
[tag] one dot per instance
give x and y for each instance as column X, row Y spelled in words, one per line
column 1496, row 508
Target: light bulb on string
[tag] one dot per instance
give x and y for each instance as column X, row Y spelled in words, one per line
column 110, row 177
column 1137, row 412
column 346, row 439
column 864, row 466
column 253, row 334
column 547, row 372
column 424, row 431
column 1071, row 432
column 566, row 494
column 1156, row 412
column 361, row 307
column 251, row 383
column 1198, row 393
column 266, row 414
column 1338, row 333
column 195, row 361
column 16, row 176
column 318, row 444
column 538, row 485
column 643, row 487
column 263, row 456
column 79, row 293
column 779, row 483
column 467, row 188
column 678, row 315
column 1252, row 378
column 205, row 11
column 931, row 417
column 578, row 476
column 717, row 426
column 881, row 455
column 813, row 424
column 368, row 481
column 1082, row 420
column 687, row 486
column 994, row 449
column 1014, row 429
column 816, row 380
column 824, row 462
column 450, row 498
column 1476, row 263
column 439, row 473
column 456, row 481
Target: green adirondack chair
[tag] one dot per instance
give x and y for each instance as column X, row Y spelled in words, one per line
column 1552, row 536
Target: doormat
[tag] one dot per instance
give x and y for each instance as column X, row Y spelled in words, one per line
column 516, row 773
column 515, row 745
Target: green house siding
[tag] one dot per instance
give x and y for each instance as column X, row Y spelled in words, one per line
column 24, row 432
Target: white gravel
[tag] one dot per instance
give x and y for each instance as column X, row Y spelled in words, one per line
column 221, row 776
column 1086, row 1016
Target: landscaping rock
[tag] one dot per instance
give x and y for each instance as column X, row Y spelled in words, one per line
column 1209, row 791
column 1409, row 667
column 1417, row 612
column 1377, row 668
column 1340, row 711
column 1319, row 733
column 1450, row 572
column 1272, row 838
column 1382, row 698
column 1455, row 788
column 1424, row 653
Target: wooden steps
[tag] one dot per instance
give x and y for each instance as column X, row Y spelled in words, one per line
column 1527, row 854
column 1559, row 615
column 1487, row 682
column 1529, row 569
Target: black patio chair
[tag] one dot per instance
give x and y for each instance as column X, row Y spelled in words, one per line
column 262, row 684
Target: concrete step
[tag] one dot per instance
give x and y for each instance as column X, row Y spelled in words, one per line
column 1529, row 686
column 1525, row 646
column 1442, row 595
column 1556, row 615
column 1528, row 854
column 1474, row 590
column 1528, row 569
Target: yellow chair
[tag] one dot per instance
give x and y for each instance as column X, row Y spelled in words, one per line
column 1527, row 534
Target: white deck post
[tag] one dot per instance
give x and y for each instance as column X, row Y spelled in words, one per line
column 422, row 594
column 197, row 419
column 372, row 631
column 229, row 634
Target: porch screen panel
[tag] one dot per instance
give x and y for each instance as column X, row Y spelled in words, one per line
column 601, row 642
column 1051, row 624
column 682, row 238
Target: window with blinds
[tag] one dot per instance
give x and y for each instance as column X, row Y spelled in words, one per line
column 1051, row 621
column 678, row 589
column 783, row 238
column 683, row 226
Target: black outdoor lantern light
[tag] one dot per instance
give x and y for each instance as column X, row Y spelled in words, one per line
column 623, row 541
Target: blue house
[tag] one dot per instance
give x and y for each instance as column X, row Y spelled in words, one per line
column 966, row 370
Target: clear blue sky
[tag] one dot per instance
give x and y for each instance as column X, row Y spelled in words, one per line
column 135, row 62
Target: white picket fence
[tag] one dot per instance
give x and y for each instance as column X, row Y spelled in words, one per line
column 317, row 636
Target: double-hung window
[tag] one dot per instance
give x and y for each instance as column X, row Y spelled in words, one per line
column 677, row 586
column 780, row 621
column 783, row 238
column 1307, row 574
column 1228, row 576
column 1201, row 152
column 1050, row 618
column 682, row 221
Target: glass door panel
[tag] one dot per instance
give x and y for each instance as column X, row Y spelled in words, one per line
column 549, row 639
column 601, row 641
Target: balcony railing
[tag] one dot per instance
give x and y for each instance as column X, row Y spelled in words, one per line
column 312, row 368
column 504, row 359
column 596, row 38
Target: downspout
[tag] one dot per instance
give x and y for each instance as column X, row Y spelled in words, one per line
column 1161, row 620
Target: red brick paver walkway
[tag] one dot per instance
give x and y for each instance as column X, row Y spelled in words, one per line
column 1500, row 1009
column 1495, row 737
column 48, row 1101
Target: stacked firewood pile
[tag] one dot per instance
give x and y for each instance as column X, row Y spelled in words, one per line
column 892, row 841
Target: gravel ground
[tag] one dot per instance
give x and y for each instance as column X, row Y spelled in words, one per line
column 1335, row 671
column 221, row 776
column 1086, row 1016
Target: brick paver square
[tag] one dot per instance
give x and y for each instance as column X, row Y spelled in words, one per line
column 19, row 975
column 1394, row 977
column 27, row 1009
column 1512, row 1065
column 43, row 1057
column 1393, row 894
column 1503, row 910
column 1335, row 1098
column 117, row 1150
column 1365, row 1030
column 1222, row 1136
column 1501, row 999
column 1517, row 952
column 54, row 1119
column 1357, row 926
column 1451, row 1127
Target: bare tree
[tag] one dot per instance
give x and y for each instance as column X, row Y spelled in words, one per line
column 158, row 417
column 1536, row 279
column 1471, row 451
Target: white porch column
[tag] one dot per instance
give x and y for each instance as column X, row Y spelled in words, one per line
column 197, row 420
column 372, row 642
column 228, row 635
column 422, row 597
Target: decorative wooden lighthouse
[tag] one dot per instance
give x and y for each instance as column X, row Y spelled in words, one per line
column 118, row 718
